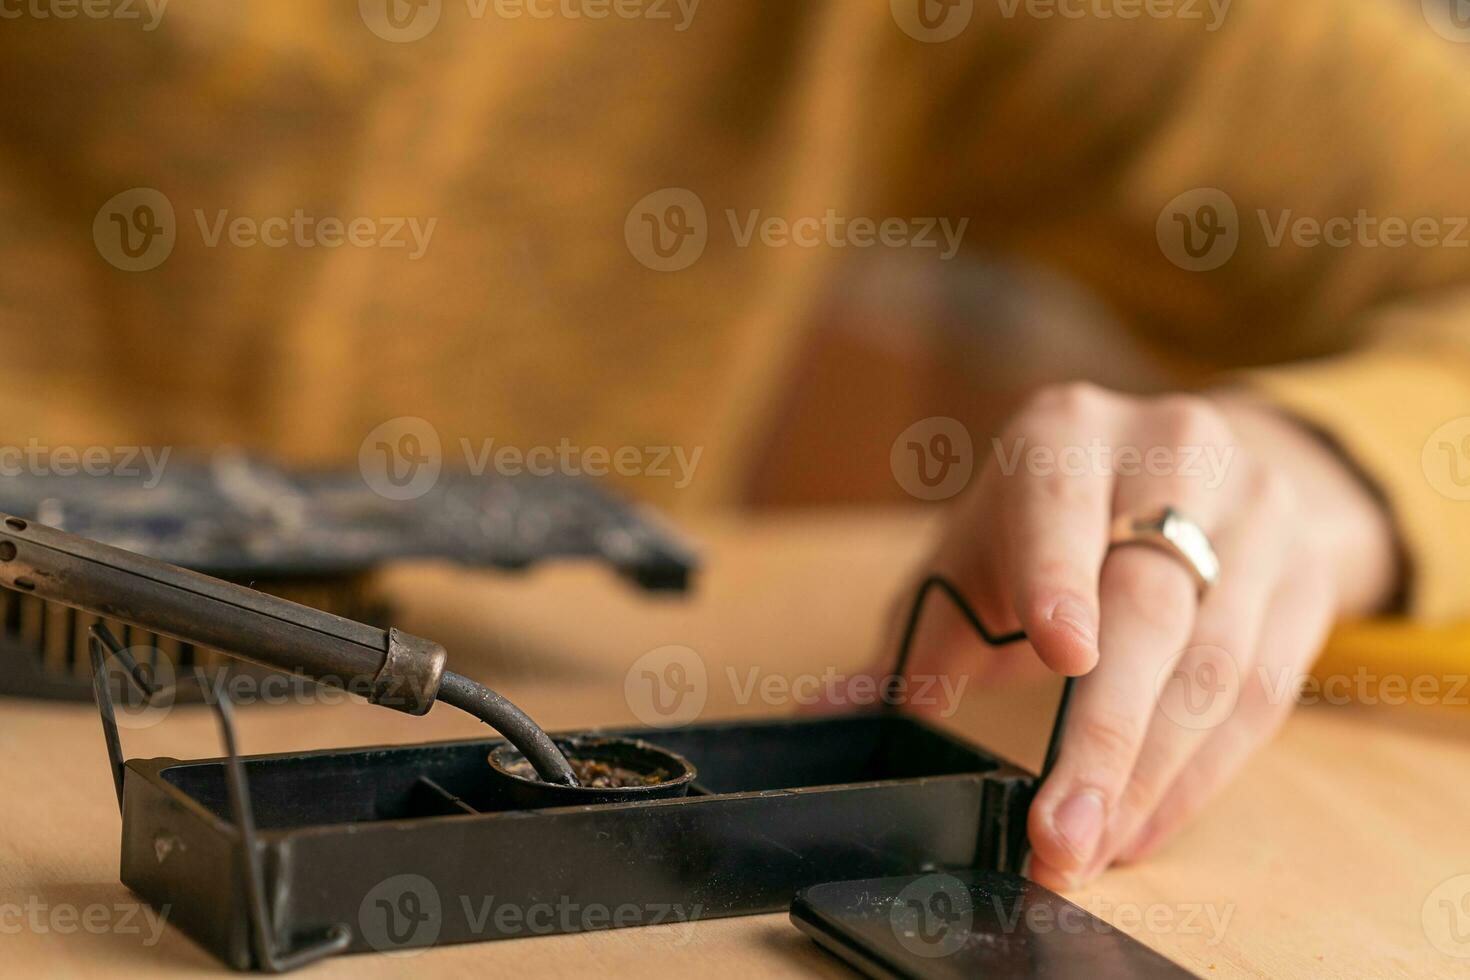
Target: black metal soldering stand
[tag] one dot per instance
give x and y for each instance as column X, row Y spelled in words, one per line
column 906, row 645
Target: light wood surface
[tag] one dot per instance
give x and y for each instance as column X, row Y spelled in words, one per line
column 1320, row 861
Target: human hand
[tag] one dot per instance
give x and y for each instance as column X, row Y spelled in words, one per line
column 1301, row 541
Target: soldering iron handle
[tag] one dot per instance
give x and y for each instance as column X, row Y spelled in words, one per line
column 390, row 667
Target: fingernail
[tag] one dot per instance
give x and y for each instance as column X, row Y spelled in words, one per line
column 1076, row 616
column 1079, row 823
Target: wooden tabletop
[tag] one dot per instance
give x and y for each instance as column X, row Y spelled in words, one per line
column 1337, row 853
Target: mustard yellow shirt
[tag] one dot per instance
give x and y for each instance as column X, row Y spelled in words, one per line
column 591, row 180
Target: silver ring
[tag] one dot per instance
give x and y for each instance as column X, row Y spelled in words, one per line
column 1171, row 532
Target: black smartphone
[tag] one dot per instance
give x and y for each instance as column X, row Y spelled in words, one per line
column 987, row 924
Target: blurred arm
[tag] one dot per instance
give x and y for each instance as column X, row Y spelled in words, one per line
column 1313, row 152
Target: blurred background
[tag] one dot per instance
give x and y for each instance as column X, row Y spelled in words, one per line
column 520, row 149
column 518, row 140
column 366, row 236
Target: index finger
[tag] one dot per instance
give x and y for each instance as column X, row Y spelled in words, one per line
column 1055, row 511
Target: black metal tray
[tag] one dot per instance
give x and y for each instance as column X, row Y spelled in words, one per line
column 395, row 848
